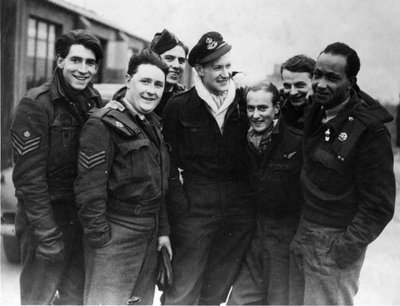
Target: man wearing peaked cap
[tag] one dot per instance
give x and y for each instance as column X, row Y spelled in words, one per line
column 210, row 216
column 174, row 54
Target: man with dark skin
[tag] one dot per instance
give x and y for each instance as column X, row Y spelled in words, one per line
column 347, row 180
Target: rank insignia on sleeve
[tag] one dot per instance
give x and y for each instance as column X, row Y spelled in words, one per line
column 25, row 145
column 90, row 161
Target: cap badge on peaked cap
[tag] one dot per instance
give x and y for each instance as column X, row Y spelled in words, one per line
column 211, row 44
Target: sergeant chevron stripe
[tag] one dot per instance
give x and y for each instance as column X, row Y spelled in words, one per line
column 91, row 161
column 24, row 146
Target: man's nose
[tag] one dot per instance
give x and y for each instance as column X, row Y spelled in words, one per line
column 83, row 68
column 293, row 90
column 225, row 72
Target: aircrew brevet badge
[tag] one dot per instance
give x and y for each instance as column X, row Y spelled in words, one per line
column 342, row 136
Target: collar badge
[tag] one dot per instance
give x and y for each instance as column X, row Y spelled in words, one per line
column 342, row 136
column 119, row 124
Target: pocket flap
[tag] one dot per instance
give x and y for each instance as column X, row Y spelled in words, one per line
column 126, row 147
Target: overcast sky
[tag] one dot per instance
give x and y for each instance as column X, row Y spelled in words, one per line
column 267, row 32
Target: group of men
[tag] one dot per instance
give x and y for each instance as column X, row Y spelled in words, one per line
column 272, row 197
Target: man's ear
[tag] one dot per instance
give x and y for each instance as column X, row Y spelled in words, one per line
column 127, row 78
column 352, row 81
column 199, row 69
column 60, row 62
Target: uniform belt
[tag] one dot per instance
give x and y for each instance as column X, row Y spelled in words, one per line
column 146, row 208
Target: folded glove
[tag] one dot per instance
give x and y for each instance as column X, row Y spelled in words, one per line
column 165, row 277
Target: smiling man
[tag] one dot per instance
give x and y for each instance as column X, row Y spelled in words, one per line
column 120, row 189
column 174, row 54
column 347, row 180
column 45, row 132
column 210, row 212
column 275, row 154
column 296, row 74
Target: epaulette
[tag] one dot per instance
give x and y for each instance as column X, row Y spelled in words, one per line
column 36, row 91
column 120, row 123
column 370, row 119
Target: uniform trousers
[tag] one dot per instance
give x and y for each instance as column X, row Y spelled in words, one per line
column 125, row 266
column 209, row 241
column 264, row 275
column 40, row 279
column 315, row 268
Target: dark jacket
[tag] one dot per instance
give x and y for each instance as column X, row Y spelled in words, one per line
column 45, row 132
column 176, row 89
column 123, row 169
column 198, row 148
column 275, row 173
column 348, row 178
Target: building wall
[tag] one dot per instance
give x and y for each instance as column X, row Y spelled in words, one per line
column 118, row 46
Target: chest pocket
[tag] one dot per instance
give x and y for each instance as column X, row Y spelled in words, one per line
column 64, row 140
column 137, row 161
column 328, row 172
column 198, row 139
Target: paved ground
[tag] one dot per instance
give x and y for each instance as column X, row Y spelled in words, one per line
column 380, row 276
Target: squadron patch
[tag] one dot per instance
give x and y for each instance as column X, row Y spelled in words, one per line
column 90, row 161
column 24, row 146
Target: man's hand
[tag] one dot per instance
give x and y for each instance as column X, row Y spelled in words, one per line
column 163, row 241
column 240, row 79
column 113, row 104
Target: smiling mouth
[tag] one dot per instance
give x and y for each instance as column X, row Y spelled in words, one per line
column 149, row 99
column 80, row 78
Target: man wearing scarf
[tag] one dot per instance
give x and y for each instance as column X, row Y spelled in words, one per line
column 210, row 215
column 45, row 132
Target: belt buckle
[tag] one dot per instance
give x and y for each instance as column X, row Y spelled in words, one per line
column 137, row 209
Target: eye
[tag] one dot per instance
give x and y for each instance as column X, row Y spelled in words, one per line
column 169, row 58
column 181, row 61
column 91, row 63
column 286, row 86
column 263, row 108
column 250, row 108
column 159, row 84
column 145, row 82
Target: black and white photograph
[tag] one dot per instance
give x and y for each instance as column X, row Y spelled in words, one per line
column 214, row 152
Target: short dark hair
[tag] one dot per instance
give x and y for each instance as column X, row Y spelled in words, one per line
column 79, row 37
column 146, row 56
column 352, row 59
column 267, row 87
column 299, row 63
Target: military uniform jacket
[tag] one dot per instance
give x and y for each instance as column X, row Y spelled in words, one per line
column 122, row 170
column 198, row 148
column 347, row 178
column 275, row 173
column 45, row 133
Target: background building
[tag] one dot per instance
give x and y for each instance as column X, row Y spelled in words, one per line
column 29, row 29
